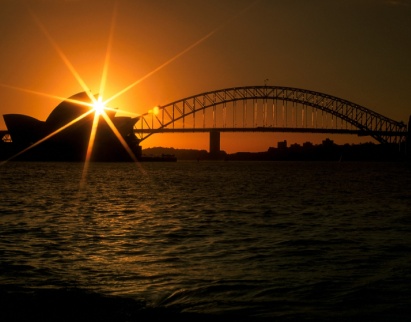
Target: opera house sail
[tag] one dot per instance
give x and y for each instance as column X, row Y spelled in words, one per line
column 69, row 143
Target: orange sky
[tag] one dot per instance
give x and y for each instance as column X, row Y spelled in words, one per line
column 358, row 50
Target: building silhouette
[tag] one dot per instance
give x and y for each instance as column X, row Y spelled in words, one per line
column 69, row 143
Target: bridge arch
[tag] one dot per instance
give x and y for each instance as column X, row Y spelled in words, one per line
column 273, row 109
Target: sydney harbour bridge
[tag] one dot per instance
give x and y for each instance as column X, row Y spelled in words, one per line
column 268, row 109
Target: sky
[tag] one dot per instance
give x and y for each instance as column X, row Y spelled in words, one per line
column 358, row 50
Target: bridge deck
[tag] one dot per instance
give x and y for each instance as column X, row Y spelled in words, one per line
column 269, row 129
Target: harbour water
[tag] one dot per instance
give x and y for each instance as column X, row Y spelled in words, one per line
column 208, row 241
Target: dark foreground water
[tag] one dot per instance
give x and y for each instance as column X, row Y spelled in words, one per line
column 205, row 241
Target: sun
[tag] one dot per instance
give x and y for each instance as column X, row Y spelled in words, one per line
column 99, row 106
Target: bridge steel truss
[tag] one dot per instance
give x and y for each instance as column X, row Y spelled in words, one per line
column 269, row 109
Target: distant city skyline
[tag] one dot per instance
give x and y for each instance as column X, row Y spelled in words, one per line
column 155, row 52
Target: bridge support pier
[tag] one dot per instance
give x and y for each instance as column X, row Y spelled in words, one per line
column 214, row 144
column 408, row 141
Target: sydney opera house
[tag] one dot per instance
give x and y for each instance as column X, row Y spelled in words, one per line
column 68, row 143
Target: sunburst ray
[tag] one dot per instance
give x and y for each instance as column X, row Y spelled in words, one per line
column 64, row 58
column 181, row 53
column 50, row 135
column 93, row 99
column 56, row 97
column 126, row 89
column 108, row 52
column 119, row 137
column 90, row 148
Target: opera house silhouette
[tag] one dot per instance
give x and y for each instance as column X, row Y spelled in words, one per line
column 69, row 143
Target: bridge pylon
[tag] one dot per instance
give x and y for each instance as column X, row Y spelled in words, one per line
column 408, row 141
column 214, row 144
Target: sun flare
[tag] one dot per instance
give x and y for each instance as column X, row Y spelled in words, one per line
column 95, row 104
column 99, row 106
